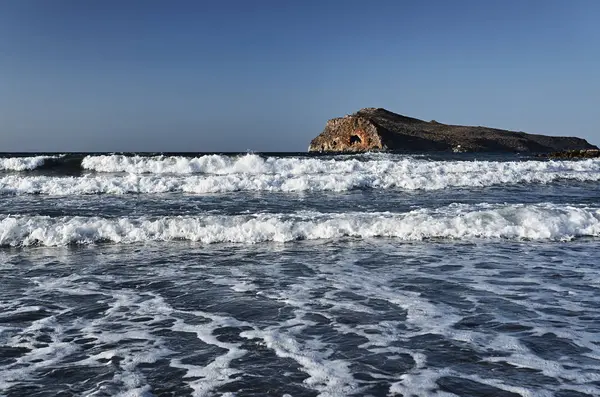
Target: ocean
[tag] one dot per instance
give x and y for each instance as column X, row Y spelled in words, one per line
column 281, row 274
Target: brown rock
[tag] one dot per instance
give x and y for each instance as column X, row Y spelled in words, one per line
column 376, row 129
column 575, row 154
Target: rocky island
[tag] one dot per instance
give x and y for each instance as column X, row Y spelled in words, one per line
column 377, row 129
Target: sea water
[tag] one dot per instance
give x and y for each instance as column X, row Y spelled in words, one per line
column 297, row 275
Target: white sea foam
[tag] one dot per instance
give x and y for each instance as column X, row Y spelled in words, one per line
column 331, row 378
column 517, row 221
column 340, row 320
column 252, row 173
column 22, row 163
column 293, row 166
column 210, row 164
column 52, row 353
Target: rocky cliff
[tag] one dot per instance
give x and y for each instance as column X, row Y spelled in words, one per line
column 574, row 154
column 375, row 129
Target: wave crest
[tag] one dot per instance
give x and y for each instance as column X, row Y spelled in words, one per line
column 200, row 184
column 457, row 221
column 22, row 163
column 287, row 166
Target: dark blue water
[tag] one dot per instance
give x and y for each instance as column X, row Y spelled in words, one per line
column 275, row 275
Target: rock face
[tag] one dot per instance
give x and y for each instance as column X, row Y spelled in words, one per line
column 376, row 129
column 575, row 154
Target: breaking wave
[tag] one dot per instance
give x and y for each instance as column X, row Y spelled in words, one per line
column 457, row 221
column 121, row 174
column 428, row 178
column 295, row 166
column 22, row 163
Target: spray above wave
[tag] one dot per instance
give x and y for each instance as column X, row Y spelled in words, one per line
column 23, row 163
column 457, row 221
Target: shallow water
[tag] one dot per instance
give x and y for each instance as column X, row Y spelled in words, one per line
column 378, row 290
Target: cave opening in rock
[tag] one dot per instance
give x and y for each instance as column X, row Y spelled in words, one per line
column 355, row 139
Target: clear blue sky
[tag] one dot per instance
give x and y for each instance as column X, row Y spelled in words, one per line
column 236, row 75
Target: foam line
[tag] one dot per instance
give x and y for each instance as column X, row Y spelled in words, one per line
column 341, row 176
column 464, row 222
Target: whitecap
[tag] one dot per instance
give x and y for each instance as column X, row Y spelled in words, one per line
column 221, row 174
column 22, row 163
column 457, row 221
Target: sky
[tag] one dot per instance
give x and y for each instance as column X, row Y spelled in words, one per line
column 263, row 75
